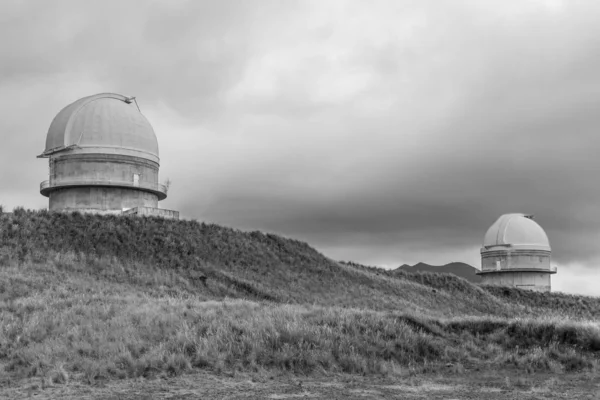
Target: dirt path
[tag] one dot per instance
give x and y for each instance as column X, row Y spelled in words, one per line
column 209, row 386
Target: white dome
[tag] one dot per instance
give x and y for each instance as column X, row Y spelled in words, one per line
column 516, row 230
column 105, row 123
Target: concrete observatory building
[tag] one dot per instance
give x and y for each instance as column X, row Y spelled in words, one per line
column 516, row 252
column 103, row 158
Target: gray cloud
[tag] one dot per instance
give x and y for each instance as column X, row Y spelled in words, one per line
column 386, row 132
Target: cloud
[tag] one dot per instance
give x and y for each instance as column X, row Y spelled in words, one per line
column 384, row 132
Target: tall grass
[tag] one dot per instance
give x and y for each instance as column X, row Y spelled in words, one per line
column 92, row 298
column 90, row 330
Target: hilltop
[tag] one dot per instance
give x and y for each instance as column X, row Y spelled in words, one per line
column 94, row 298
column 463, row 270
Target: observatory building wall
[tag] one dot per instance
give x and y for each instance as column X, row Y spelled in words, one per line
column 494, row 260
column 537, row 281
column 102, row 182
column 92, row 168
column 99, row 199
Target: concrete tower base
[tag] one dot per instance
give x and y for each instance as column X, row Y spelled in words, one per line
column 101, row 200
column 530, row 280
column 102, row 183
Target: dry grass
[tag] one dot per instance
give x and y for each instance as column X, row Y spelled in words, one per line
column 63, row 326
column 87, row 308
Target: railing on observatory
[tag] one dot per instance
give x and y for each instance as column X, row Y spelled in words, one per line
column 152, row 212
column 551, row 269
column 157, row 188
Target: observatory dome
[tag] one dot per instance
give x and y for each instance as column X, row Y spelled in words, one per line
column 516, row 252
column 517, row 230
column 103, row 123
column 102, row 158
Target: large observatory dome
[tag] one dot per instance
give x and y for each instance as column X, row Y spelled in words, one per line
column 103, row 158
column 516, row 230
column 103, row 123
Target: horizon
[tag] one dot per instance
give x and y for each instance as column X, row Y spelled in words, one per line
column 384, row 133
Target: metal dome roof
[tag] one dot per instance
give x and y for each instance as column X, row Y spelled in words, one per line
column 105, row 123
column 516, row 230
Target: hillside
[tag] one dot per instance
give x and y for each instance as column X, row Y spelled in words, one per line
column 95, row 298
column 237, row 264
column 460, row 269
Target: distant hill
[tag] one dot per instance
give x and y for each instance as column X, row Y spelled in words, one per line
column 463, row 270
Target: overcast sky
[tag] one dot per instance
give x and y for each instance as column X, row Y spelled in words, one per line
column 384, row 132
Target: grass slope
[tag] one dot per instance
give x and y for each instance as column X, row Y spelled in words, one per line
column 250, row 265
column 93, row 298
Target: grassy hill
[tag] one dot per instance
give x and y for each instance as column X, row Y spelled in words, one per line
column 92, row 298
column 460, row 269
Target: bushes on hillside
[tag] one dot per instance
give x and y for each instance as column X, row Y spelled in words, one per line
column 569, row 305
column 170, row 243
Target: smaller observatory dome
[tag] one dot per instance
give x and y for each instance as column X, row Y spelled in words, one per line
column 103, row 123
column 516, row 230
